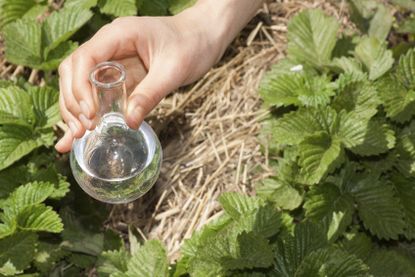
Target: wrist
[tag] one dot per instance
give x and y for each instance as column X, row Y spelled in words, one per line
column 218, row 22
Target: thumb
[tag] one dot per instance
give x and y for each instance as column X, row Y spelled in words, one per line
column 148, row 93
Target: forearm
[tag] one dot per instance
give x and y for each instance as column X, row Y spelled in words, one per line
column 222, row 20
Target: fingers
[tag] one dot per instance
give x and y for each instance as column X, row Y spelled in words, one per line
column 65, row 143
column 82, row 64
column 148, row 93
column 74, row 72
column 108, row 43
column 77, row 128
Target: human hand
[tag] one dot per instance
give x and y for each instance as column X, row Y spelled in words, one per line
column 160, row 54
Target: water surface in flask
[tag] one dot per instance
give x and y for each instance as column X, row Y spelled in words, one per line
column 116, row 164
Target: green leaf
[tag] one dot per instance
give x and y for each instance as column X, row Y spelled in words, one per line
column 18, row 249
column 292, row 249
column 18, row 141
column 345, row 45
column 47, row 255
column 347, row 65
column 264, row 221
column 153, row 8
column 61, row 188
column 280, row 192
column 61, row 25
column 115, row 261
column 29, row 194
column 361, row 11
column 39, row 218
column 312, row 37
column 252, row 252
column 200, row 238
column 177, row 6
column 15, row 107
column 353, row 128
column 374, row 56
column 37, row 12
column 372, row 18
column 11, row 178
column 298, row 89
column 150, row 260
column 398, row 101
column 295, row 126
column 237, row 205
column 57, row 55
column 82, row 260
column 379, row 138
column 358, row 244
column 85, row 4
column 76, row 238
column 22, row 41
column 407, row 4
column 381, row 23
column 405, row 191
column 384, row 263
column 378, row 208
column 118, row 7
column 357, row 95
column 407, row 25
column 46, row 106
column 406, row 69
column 405, row 149
column 332, row 262
column 8, row 269
column 10, row 10
column 319, row 155
column 326, row 199
column 8, row 228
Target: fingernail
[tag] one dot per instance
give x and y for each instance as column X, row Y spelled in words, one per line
column 85, row 108
column 133, row 113
column 85, row 121
column 72, row 126
column 58, row 144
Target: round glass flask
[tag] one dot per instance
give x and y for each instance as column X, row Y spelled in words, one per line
column 114, row 163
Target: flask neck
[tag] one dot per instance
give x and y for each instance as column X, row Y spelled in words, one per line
column 108, row 81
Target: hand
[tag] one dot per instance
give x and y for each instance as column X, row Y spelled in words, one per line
column 160, row 54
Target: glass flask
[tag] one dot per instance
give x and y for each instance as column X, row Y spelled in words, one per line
column 114, row 163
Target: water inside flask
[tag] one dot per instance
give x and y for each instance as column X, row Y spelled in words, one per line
column 114, row 163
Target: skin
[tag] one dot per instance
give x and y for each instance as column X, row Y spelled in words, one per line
column 160, row 55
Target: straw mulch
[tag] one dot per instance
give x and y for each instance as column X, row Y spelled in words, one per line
column 208, row 131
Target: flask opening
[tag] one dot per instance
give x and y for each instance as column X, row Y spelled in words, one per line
column 108, row 75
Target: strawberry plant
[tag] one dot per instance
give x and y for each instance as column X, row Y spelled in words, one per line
column 340, row 137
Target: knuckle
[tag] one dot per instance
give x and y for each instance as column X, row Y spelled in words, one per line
column 118, row 20
column 78, row 54
column 151, row 98
column 63, row 67
column 71, row 106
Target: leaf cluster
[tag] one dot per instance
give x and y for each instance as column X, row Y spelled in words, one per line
column 340, row 132
column 25, row 218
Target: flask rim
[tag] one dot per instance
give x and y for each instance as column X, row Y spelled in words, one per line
column 105, row 65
